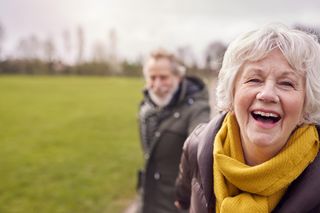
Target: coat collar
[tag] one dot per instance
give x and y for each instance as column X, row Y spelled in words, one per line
column 205, row 157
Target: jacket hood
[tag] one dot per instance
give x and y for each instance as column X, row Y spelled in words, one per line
column 193, row 87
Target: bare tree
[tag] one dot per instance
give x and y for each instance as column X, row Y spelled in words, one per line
column 1, row 37
column 80, row 35
column 66, row 43
column 112, row 58
column 113, row 45
column 99, row 52
column 35, row 45
column 187, row 56
column 49, row 49
column 214, row 56
column 22, row 48
column 29, row 48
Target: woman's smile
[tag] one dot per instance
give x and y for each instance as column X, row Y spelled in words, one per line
column 266, row 119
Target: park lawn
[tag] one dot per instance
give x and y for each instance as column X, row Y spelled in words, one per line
column 68, row 144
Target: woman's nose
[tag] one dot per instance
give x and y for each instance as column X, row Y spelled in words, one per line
column 268, row 93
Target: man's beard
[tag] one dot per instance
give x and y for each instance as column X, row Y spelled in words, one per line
column 163, row 101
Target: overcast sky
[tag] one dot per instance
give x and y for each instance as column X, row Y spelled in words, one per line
column 142, row 25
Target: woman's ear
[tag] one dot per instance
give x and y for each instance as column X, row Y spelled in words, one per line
column 231, row 108
column 304, row 119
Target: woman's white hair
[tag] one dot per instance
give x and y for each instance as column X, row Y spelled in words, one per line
column 301, row 50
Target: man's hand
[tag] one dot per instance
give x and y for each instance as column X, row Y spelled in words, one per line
column 177, row 204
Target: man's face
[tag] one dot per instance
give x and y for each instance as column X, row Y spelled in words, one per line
column 159, row 78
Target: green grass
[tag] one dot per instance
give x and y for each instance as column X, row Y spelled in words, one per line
column 68, row 144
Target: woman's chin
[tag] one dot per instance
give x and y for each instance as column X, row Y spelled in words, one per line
column 263, row 140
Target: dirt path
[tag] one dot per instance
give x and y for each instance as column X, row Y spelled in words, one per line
column 132, row 208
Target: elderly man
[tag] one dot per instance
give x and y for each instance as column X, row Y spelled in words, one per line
column 173, row 105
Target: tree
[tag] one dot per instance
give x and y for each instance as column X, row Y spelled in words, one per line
column 66, row 44
column 35, row 46
column 23, row 49
column 214, row 56
column 1, row 37
column 48, row 49
column 187, row 56
column 99, row 52
column 80, row 36
column 113, row 46
column 29, row 48
column 112, row 56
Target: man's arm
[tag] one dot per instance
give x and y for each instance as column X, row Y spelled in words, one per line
column 183, row 182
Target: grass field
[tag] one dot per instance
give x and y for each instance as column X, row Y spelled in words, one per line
column 68, row 144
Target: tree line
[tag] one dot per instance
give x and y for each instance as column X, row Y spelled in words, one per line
column 34, row 56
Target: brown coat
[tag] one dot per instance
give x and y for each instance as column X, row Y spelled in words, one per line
column 194, row 185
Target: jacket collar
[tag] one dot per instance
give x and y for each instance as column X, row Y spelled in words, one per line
column 205, row 157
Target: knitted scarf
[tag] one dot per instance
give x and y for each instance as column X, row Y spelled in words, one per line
column 254, row 189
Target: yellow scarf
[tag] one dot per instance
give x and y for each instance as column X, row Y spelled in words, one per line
column 254, row 189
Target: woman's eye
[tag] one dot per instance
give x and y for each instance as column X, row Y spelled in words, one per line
column 287, row 84
column 254, row 80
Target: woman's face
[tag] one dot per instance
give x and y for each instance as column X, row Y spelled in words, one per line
column 268, row 101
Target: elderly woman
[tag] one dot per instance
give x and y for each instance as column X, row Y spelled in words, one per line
column 262, row 153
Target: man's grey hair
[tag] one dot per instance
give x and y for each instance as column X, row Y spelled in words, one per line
column 176, row 67
column 301, row 50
